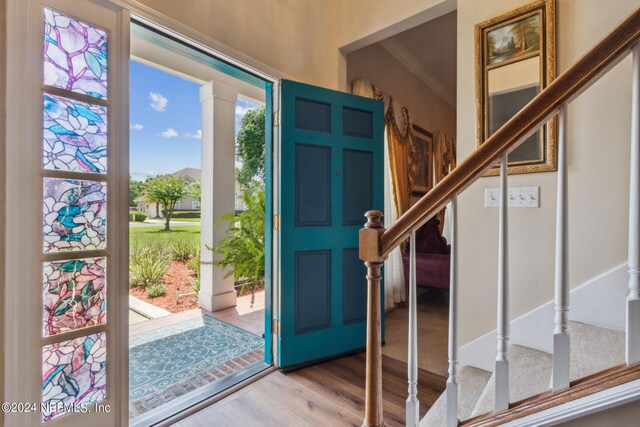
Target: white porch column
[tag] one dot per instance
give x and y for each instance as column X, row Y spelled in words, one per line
column 218, row 189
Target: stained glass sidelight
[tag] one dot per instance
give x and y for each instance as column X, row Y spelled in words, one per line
column 73, row 374
column 74, row 295
column 74, row 215
column 75, row 135
column 75, row 55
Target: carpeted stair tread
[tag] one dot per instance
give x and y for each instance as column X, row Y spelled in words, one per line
column 530, row 371
column 594, row 349
column 471, row 383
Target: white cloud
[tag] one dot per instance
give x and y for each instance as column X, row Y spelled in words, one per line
column 135, row 126
column 158, row 102
column 241, row 111
column 197, row 135
column 169, row 133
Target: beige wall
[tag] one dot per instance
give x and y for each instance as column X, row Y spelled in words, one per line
column 598, row 132
column 624, row 415
column 377, row 65
column 360, row 18
column 300, row 38
column 292, row 36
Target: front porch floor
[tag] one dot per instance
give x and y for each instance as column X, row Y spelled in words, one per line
column 173, row 355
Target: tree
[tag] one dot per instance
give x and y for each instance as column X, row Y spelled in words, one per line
column 136, row 189
column 195, row 190
column 166, row 190
column 251, row 148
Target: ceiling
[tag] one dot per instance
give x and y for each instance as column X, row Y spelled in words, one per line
column 429, row 51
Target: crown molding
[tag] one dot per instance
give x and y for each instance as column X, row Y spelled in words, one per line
column 398, row 51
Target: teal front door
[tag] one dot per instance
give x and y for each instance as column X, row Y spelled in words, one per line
column 331, row 173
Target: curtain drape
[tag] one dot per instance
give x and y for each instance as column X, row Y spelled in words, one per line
column 398, row 180
column 444, row 161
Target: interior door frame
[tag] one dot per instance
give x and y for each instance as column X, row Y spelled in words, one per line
column 210, row 46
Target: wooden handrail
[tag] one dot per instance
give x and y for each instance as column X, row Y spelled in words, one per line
column 595, row 63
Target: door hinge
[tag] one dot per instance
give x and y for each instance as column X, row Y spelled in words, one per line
column 276, row 222
column 275, row 327
column 275, row 117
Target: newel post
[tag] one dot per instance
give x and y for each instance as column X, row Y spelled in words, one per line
column 370, row 254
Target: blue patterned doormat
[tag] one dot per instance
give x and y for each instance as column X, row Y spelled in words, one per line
column 165, row 356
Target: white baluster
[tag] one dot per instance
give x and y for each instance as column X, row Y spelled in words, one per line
column 452, row 381
column 501, row 371
column 633, row 299
column 413, row 405
column 561, row 348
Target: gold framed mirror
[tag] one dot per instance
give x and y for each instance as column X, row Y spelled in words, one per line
column 515, row 60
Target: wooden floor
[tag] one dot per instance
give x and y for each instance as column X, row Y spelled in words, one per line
column 433, row 329
column 328, row 394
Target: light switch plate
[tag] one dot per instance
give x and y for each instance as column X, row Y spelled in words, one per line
column 519, row 197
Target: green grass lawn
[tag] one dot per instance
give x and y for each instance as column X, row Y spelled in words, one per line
column 146, row 235
column 185, row 220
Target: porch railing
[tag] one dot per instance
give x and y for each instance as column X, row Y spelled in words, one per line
column 376, row 242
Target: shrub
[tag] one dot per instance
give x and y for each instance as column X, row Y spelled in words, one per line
column 154, row 250
column 183, row 250
column 137, row 216
column 156, row 290
column 147, row 267
column 242, row 248
column 183, row 214
column 194, row 264
column 196, row 284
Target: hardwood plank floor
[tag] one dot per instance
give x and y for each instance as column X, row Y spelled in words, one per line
column 327, row 394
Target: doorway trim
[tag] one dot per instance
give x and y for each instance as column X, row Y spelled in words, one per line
column 181, row 32
column 424, row 16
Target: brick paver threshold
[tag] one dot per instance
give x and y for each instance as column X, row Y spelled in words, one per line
column 209, row 376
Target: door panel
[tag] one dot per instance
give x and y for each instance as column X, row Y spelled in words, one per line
column 331, row 174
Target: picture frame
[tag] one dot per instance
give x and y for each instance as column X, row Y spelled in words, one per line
column 515, row 60
column 423, row 146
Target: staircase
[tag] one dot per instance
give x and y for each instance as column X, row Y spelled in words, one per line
column 587, row 363
column 593, row 350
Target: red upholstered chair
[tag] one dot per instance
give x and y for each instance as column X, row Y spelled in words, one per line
column 432, row 257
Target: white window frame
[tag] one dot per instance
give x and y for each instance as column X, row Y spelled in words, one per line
column 24, row 174
column 195, row 205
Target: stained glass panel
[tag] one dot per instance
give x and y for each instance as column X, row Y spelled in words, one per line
column 74, row 215
column 75, row 55
column 73, row 374
column 75, row 135
column 74, row 295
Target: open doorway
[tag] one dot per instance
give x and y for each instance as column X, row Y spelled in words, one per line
column 197, row 214
column 414, row 72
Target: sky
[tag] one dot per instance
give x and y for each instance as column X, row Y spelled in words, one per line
column 166, row 122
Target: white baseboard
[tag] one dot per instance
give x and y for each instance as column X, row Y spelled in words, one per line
column 600, row 302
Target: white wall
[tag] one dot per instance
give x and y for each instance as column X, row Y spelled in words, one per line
column 599, row 133
column 427, row 109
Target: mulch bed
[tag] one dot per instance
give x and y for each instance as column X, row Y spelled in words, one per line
column 179, row 277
